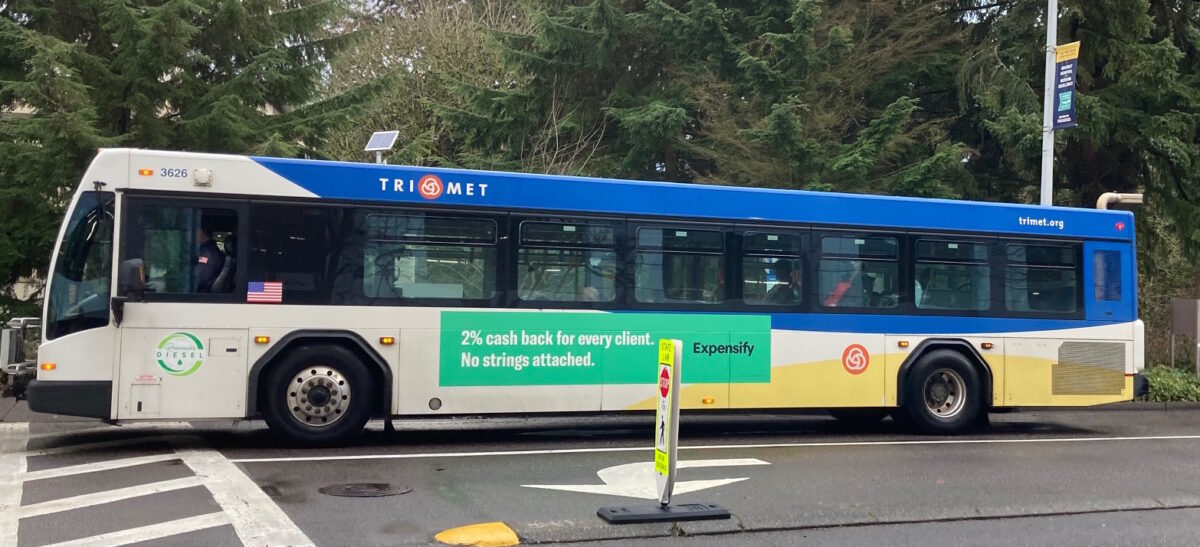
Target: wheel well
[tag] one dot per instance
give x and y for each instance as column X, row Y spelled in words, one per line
column 381, row 374
column 955, row 344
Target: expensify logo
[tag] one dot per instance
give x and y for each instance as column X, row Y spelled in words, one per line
column 431, row 187
column 1050, row 223
column 722, row 349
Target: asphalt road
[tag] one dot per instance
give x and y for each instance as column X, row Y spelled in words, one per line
column 1034, row 478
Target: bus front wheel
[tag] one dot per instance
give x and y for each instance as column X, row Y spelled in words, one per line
column 317, row 395
column 943, row 394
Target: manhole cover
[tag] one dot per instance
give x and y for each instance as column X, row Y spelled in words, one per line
column 363, row 490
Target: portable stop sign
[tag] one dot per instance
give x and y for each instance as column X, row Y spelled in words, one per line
column 666, row 419
column 666, row 443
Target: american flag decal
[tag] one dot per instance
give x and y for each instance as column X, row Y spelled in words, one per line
column 264, row 292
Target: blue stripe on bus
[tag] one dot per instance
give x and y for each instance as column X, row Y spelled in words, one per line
column 400, row 184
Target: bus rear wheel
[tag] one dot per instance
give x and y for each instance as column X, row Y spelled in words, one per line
column 943, row 394
column 317, row 395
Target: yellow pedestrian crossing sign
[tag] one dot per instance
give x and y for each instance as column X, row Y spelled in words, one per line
column 666, row 419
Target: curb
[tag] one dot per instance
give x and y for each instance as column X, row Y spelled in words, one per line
column 1118, row 407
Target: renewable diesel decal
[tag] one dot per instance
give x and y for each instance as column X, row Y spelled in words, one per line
column 180, row 354
column 535, row 348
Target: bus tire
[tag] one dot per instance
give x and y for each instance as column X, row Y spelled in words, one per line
column 317, row 395
column 943, row 393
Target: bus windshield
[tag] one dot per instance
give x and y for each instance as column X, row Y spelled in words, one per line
column 79, row 288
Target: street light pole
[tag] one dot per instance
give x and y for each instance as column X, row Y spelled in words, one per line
column 1048, row 105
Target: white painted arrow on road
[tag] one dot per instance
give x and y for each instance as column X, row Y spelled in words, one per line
column 636, row 480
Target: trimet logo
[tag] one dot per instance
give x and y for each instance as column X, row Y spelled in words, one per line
column 180, row 354
column 431, row 187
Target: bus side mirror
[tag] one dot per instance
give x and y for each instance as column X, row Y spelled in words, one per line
column 131, row 279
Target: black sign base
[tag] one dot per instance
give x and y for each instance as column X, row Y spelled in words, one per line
column 657, row 513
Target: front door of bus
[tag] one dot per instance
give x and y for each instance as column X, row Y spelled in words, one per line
column 183, row 353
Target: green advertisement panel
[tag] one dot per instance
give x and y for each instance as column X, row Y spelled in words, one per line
column 550, row 348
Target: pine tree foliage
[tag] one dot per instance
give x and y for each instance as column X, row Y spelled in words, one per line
column 760, row 93
column 238, row 76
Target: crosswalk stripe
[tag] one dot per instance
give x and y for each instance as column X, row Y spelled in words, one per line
column 106, row 465
column 256, row 519
column 147, row 533
column 114, row 443
column 107, row 496
column 12, row 466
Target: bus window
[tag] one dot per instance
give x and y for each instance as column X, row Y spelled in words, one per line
column 187, row 250
column 771, row 269
column 560, row 262
column 952, row 275
column 859, row 272
column 1041, row 278
column 415, row 256
column 79, row 288
column 299, row 246
column 1106, row 284
column 679, row 265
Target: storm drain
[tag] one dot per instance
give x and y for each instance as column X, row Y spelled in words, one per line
column 363, row 490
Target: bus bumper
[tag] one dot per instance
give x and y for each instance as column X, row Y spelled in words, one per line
column 91, row 399
column 1141, row 386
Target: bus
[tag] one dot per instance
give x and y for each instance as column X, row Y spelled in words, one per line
column 318, row 295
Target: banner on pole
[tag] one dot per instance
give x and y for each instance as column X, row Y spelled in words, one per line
column 1065, row 67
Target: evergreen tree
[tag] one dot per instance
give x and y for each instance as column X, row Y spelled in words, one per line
column 775, row 93
column 206, row 75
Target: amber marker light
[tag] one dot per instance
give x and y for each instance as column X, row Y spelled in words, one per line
column 708, row 400
column 902, row 343
column 145, row 172
column 987, row 345
column 48, row 366
column 387, row 340
column 262, row 339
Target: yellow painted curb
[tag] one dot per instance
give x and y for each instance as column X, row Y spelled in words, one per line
column 486, row 534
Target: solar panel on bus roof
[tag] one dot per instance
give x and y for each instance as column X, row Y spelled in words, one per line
column 381, row 140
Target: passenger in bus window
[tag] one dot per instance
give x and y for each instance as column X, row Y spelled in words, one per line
column 589, row 294
column 787, row 288
column 839, row 291
column 920, row 285
column 209, row 259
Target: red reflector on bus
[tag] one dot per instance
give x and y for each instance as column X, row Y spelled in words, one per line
column 1120, row 226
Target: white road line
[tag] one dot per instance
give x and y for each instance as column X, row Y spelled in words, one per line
column 93, row 467
column 12, row 466
column 147, row 533
column 14, row 427
column 114, row 443
column 102, row 428
column 710, row 447
column 108, row 496
column 256, row 519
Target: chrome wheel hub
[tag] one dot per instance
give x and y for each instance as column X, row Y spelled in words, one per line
column 318, row 396
column 945, row 393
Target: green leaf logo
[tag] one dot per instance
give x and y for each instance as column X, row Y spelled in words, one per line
column 180, row 354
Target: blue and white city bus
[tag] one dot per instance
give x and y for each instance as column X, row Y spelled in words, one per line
column 317, row 295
